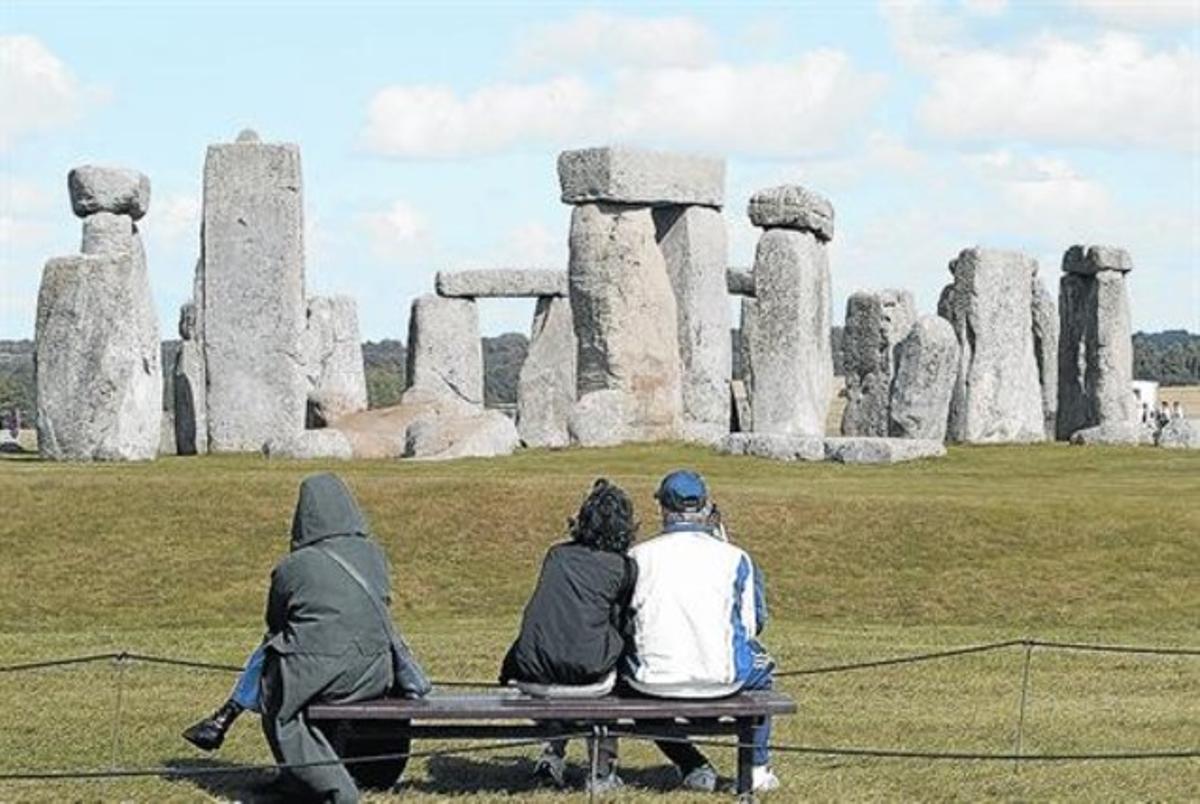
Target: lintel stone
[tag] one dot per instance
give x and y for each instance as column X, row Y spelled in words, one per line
column 501, row 283
column 635, row 176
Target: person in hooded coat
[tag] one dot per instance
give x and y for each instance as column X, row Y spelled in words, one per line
column 329, row 639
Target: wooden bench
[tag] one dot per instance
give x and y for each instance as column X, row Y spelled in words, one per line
column 388, row 725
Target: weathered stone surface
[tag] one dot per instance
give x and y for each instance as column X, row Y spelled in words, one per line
column 247, row 135
column 381, row 432
column 1095, row 352
column 310, row 445
column 337, row 380
column 444, row 353
column 481, row 435
column 1114, row 434
column 791, row 360
column 190, row 414
column 99, row 379
column 625, row 325
column 1089, row 260
column 741, row 420
column 1179, row 434
column 866, row 449
column 1045, row 351
column 876, row 322
column 250, row 299
column 695, row 246
column 634, row 176
column 775, row 446
column 166, row 434
column 107, row 232
column 513, row 284
column 926, row 365
column 739, row 281
column 997, row 397
column 746, row 327
column 791, row 206
column 546, row 385
column 104, row 189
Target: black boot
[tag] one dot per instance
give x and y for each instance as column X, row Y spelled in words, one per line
column 208, row 734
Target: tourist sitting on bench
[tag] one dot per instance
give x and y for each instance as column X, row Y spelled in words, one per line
column 697, row 607
column 329, row 639
column 571, row 635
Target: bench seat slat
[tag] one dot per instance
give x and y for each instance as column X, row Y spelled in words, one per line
column 509, row 706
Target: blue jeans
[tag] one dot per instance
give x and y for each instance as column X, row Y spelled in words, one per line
column 247, row 692
column 761, row 678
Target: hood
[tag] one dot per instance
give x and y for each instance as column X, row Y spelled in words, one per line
column 325, row 508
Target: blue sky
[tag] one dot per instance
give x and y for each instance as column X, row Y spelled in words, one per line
column 429, row 133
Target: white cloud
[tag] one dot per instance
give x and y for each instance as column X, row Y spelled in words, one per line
column 396, row 230
column 38, row 92
column 767, row 109
column 1112, row 90
column 597, row 38
column 173, row 218
column 1142, row 13
column 986, row 8
column 23, row 213
column 432, row 121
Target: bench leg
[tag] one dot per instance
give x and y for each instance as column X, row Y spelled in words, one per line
column 745, row 758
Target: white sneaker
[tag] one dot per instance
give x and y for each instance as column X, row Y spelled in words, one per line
column 763, row 779
column 702, row 779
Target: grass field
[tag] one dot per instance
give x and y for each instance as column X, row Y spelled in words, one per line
column 862, row 562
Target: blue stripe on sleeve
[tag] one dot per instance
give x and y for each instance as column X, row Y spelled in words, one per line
column 743, row 657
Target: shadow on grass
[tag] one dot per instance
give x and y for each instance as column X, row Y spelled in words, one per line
column 249, row 786
column 514, row 775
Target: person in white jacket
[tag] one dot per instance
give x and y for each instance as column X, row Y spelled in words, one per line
column 697, row 608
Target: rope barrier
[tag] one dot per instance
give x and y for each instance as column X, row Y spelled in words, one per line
column 919, row 657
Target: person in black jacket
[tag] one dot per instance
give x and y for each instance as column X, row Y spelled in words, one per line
column 573, row 630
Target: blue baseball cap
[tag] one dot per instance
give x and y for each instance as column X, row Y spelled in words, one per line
column 682, row 491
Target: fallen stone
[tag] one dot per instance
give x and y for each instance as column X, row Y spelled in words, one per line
column 250, row 296
column 926, row 365
column 876, row 322
column 1114, row 434
column 445, row 357
column 1095, row 352
column 791, row 206
column 695, row 247
column 481, row 435
column 865, row 449
column 997, row 397
column 1088, row 260
column 626, row 325
column 791, row 362
column 511, row 284
column 739, row 281
column 310, row 445
column 774, row 446
column 103, row 189
column 1045, row 350
column 107, row 232
column 634, row 176
column 546, row 385
column 99, row 377
column 1179, row 434
column 337, row 381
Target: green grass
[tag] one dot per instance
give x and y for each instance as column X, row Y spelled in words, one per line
column 990, row 543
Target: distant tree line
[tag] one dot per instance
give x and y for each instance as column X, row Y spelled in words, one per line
column 1171, row 357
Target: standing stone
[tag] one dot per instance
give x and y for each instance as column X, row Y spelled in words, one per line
column 546, row 386
column 694, row 244
column 628, row 369
column 1095, row 347
column 191, row 414
column 875, row 324
column 926, row 365
column 445, row 358
column 106, row 232
column 791, row 361
column 1045, row 350
column 97, row 355
column 997, row 397
column 251, row 300
column 739, row 281
column 337, row 380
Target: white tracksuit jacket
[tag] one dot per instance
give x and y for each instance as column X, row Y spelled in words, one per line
column 696, row 608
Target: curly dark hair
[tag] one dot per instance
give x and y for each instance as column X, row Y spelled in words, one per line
column 605, row 520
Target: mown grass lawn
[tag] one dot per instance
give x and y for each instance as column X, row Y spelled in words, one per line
column 1100, row 545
